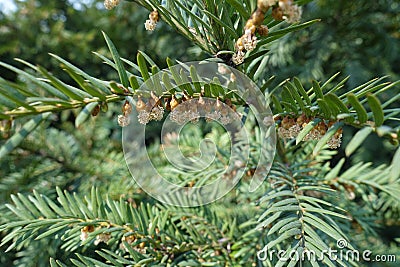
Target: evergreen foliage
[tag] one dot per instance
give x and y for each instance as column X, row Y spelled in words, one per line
column 71, row 201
